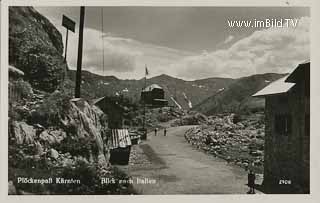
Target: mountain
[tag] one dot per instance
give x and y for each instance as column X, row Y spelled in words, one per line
column 35, row 47
column 238, row 95
column 177, row 91
column 208, row 96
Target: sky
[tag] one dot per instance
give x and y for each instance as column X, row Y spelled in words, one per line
column 185, row 42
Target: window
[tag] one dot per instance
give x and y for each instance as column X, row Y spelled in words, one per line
column 283, row 124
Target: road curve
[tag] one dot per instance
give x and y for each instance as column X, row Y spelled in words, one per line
column 179, row 168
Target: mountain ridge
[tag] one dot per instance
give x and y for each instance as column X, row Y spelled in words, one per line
column 238, row 96
column 190, row 95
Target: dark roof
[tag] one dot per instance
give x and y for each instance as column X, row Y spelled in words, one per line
column 301, row 73
column 283, row 85
column 111, row 102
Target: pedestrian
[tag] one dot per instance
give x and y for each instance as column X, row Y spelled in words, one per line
column 165, row 132
column 155, row 131
column 251, row 180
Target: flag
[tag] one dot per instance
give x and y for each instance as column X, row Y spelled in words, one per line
column 147, row 72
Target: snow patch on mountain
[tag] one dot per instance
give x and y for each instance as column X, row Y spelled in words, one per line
column 187, row 100
column 125, row 90
column 178, row 105
column 221, row 89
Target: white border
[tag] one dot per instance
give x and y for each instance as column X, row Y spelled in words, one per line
column 315, row 102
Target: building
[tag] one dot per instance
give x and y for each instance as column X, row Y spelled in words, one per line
column 153, row 95
column 287, row 134
column 119, row 140
column 114, row 110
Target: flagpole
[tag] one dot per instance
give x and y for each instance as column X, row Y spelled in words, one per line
column 144, row 100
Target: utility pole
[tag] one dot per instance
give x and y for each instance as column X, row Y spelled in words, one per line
column 80, row 47
column 65, row 52
column 144, row 101
column 144, row 105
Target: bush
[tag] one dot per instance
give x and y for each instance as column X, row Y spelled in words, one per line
column 23, row 88
column 51, row 110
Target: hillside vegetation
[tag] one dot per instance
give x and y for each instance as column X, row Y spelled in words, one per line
column 237, row 97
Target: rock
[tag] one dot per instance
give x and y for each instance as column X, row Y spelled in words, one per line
column 230, row 141
column 88, row 124
column 39, row 148
column 36, row 48
column 256, row 153
column 11, row 188
column 46, row 137
column 24, row 133
column 53, row 154
column 52, row 136
column 40, row 127
column 65, row 162
column 240, row 125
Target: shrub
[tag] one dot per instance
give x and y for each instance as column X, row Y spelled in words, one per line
column 23, row 88
column 51, row 110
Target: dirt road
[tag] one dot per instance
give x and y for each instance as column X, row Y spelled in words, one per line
column 176, row 167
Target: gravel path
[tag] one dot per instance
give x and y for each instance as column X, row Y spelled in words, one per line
column 175, row 167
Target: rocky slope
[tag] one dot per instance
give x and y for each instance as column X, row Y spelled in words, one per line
column 36, row 48
column 51, row 135
column 50, row 128
column 237, row 140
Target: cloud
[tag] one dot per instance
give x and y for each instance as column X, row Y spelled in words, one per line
column 123, row 57
column 228, row 39
column 116, row 58
column 276, row 50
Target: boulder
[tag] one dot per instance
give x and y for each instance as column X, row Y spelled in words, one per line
column 23, row 133
column 53, row 153
column 39, row 148
column 52, row 136
column 88, row 124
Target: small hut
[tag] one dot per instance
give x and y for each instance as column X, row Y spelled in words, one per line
column 153, row 95
column 120, row 141
column 287, row 134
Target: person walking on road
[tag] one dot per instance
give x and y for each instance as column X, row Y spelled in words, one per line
column 165, row 132
column 155, row 131
column 251, row 180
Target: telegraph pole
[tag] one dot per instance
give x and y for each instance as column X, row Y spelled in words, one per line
column 65, row 52
column 144, row 101
column 144, row 106
column 80, row 47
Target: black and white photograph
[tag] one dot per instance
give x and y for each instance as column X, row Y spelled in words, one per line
column 158, row 100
